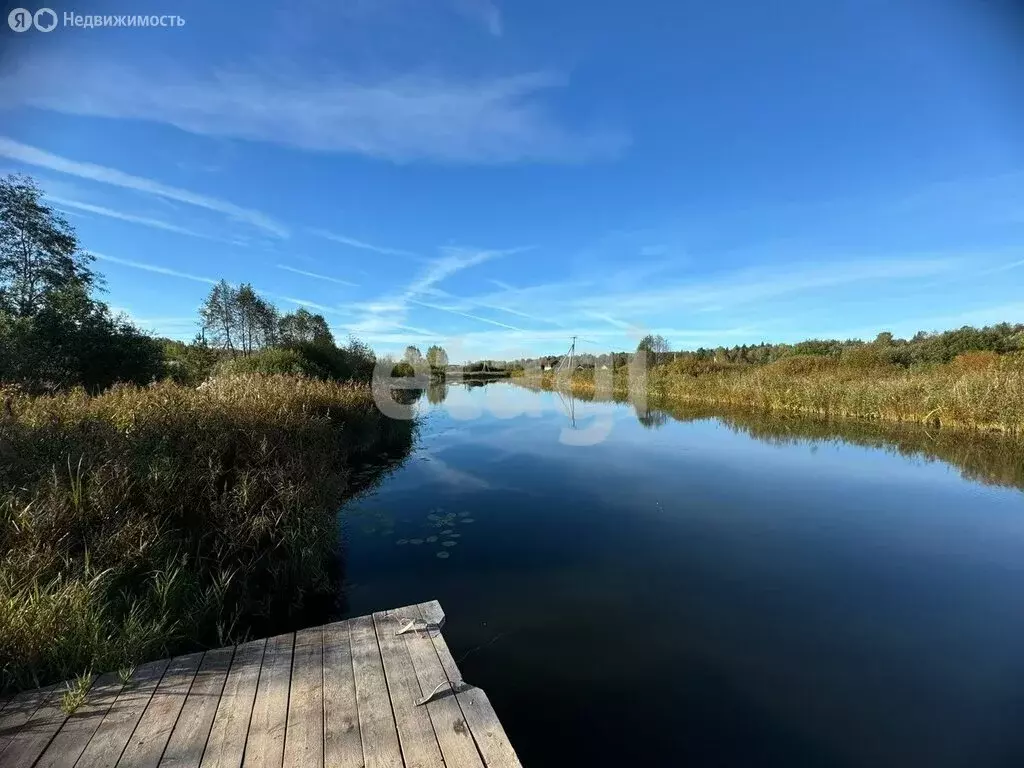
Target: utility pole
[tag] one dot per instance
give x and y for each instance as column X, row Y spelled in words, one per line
column 572, row 351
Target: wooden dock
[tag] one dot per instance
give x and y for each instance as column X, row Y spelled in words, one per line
column 360, row 692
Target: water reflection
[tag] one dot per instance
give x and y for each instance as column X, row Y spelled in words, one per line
column 987, row 457
column 437, row 391
column 804, row 597
column 650, row 418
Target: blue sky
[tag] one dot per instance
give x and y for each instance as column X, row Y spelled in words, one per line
column 498, row 176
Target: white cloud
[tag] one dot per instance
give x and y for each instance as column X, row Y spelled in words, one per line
column 608, row 301
column 143, row 220
column 483, row 11
column 317, row 276
column 452, row 261
column 156, row 269
column 28, row 155
column 405, row 118
column 350, row 241
column 306, row 303
column 465, row 314
column 388, row 312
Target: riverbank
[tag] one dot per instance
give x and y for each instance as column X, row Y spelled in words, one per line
column 149, row 521
column 977, row 391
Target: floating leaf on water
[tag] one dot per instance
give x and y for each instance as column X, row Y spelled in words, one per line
column 402, row 541
column 449, row 543
column 415, row 541
column 456, row 535
column 463, row 514
column 432, row 516
column 446, row 531
column 431, row 539
column 442, row 554
column 468, row 520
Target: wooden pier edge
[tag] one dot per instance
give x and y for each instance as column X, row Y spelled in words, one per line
column 379, row 691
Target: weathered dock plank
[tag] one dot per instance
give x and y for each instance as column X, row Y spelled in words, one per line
column 415, row 731
column 188, row 740
column 225, row 747
column 450, row 727
column 305, row 743
column 380, row 691
column 376, row 720
column 77, row 731
column 265, row 746
column 28, row 743
column 343, row 747
column 154, row 729
column 19, row 712
column 117, row 726
column 494, row 746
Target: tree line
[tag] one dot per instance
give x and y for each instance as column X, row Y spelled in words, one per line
column 923, row 348
column 56, row 333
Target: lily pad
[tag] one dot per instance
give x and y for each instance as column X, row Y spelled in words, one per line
column 449, row 543
column 468, row 520
column 456, row 535
column 446, row 531
column 463, row 514
column 431, row 539
column 442, row 554
column 400, row 542
column 415, row 541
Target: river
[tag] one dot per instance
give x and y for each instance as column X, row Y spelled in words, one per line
column 634, row 586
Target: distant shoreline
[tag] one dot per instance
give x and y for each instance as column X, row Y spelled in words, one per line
column 988, row 396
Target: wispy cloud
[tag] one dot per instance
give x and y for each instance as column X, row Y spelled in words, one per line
column 404, row 118
column 155, row 268
column 1005, row 267
column 465, row 314
column 483, row 11
column 325, row 308
column 351, row 241
column 453, row 260
column 122, row 216
column 28, row 155
column 317, row 276
column 385, row 312
column 749, row 286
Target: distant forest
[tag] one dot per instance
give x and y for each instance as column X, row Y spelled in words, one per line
column 923, row 348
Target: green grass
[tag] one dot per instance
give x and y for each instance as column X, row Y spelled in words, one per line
column 149, row 521
column 75, row 692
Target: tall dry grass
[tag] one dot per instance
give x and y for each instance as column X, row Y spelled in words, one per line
column 976, row 390
column 144, row 521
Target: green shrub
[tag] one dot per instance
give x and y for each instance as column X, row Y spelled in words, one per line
column 801, row 365
column 351, row 363
column 270, row 362
column 863, row 357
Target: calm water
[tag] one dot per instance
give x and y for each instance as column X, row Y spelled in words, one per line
column 708, row 591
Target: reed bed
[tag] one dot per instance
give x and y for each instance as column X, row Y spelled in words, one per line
column 151, row 520
column 977, row 390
